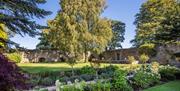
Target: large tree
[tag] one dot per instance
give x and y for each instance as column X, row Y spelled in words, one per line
column 78, row 27
column 44, row 43
column 17, row 15
column 158, row 22
column 118, row 29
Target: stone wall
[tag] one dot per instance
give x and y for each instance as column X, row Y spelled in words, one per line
column 165, row 55
column 41, row 56
column 120, row 55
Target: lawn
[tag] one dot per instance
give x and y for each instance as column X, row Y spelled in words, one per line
column 39, row 67
column 170, row 86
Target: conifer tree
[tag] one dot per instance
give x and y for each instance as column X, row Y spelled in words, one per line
column 17, row 15
column 158, row 22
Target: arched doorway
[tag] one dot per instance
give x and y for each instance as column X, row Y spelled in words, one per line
column 42, row 59
column 177, row 55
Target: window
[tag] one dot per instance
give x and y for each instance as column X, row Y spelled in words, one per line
column 118, row 56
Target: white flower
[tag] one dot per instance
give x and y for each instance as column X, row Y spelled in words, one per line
column 69, row 82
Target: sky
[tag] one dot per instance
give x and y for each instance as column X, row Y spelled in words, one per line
column 121, row 10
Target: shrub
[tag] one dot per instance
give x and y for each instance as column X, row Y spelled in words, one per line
column 70, row 87
column 98, row 86
column 147, row 49
column 47, row 81
column 111, row 68
column 15, row 57
column 64, row 79
column 48, row 73
column 146, row 76
column 169, row 73
column 144, row 79
column 144, row 58
column 71, row 61
column 119, row 81
column 131, row 59
column 87, row 70
column 82, row 86
column 84, row 77
column 35, row 80
column 155, row 67
column 10, row 75
column 73, row 78
column 108, row 71
column 87, row 77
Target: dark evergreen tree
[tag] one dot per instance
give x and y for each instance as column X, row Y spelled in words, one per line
column 43, row 44
column 16, row 15
column 118, row 29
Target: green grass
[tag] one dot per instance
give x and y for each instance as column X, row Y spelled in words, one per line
column 41, row 67
column 170, row 86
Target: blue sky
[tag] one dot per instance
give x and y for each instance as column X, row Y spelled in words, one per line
column 122, row 10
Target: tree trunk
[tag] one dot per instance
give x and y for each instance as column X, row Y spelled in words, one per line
column 72, row 68
column 85, row 59
column 85, row 54
column 97, row 74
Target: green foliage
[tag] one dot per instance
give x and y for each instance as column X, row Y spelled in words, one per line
column 169, row 73
column 144, row 79
column 110, row 69
column 82, row 86
column 17, row 15
column 87, row 77
column 131, row 59
column 108, row 72
column 118, row 29
column 72, row 61
column 15, row 57
column 148, row 49
column 80, row 27
column 119, row 82
column 43, row 44
column 146, row 76
column 99, row 86
column 155, row 67
column 158, row 22
column 40, row 80
column 47, row 81
column 143, row 58
column 87, row 70
column 3, row 35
